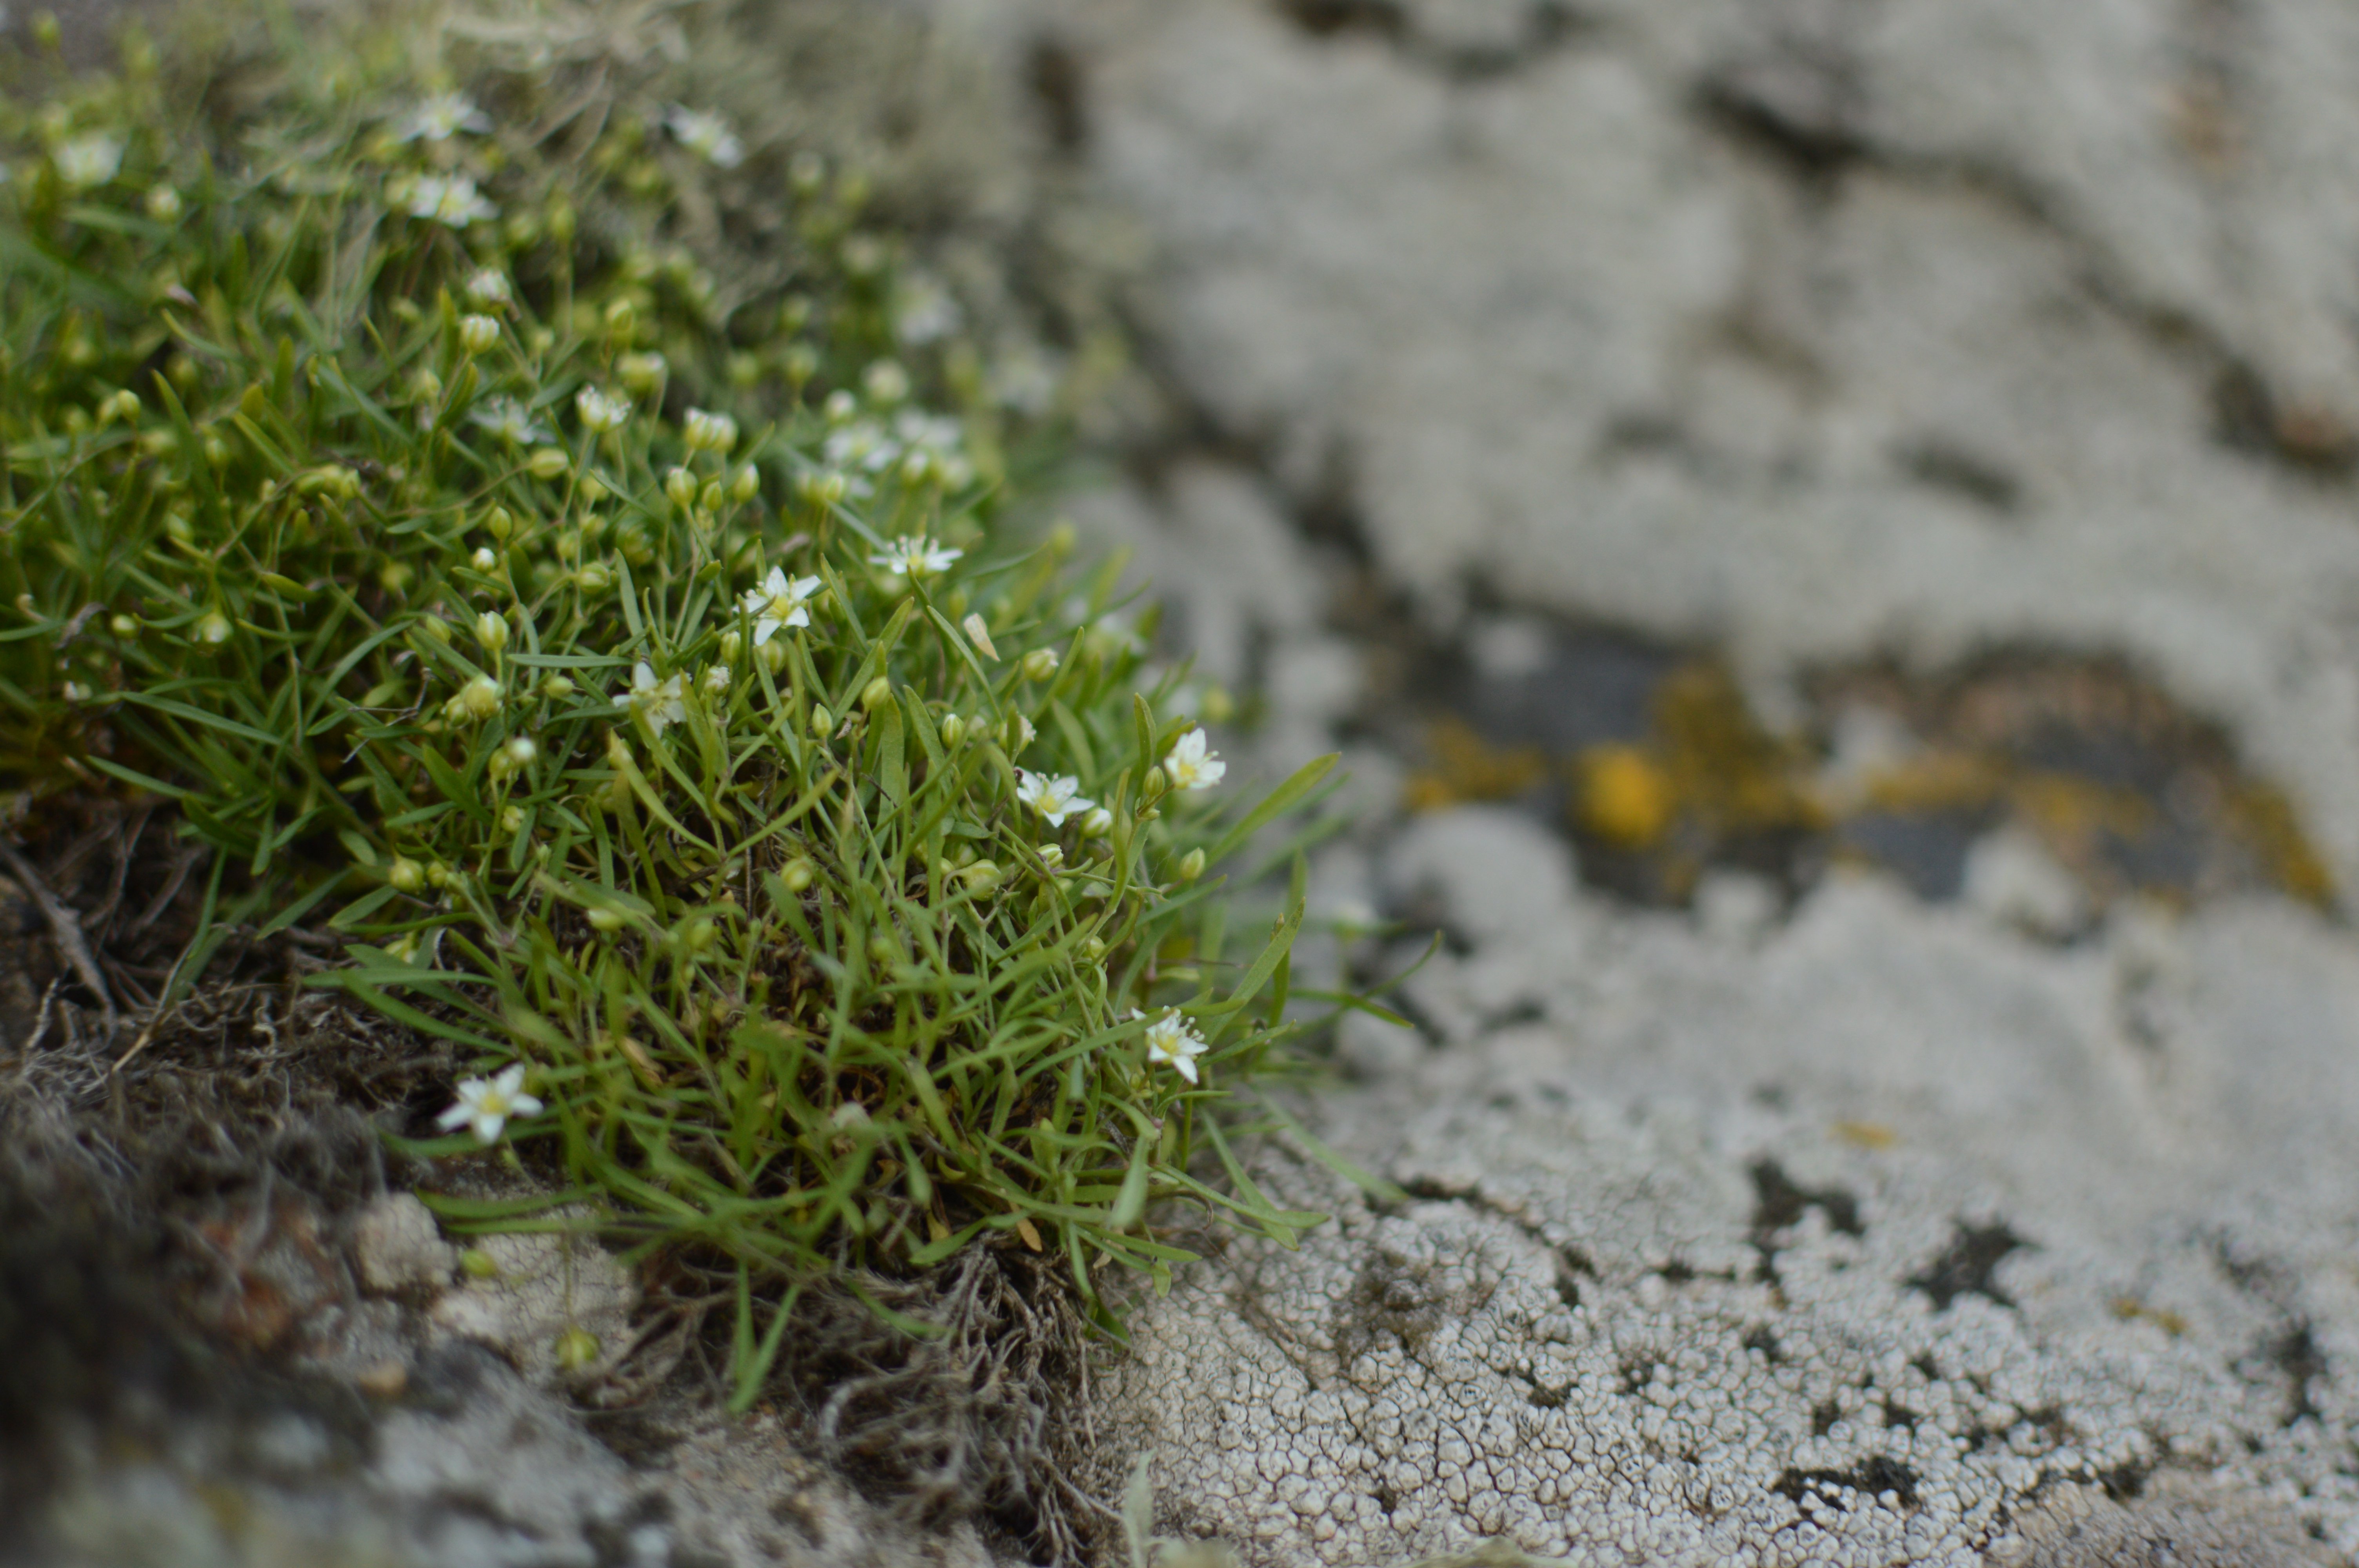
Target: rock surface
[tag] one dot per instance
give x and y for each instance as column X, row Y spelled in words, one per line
column 1820, row 328
column 1849, row 1242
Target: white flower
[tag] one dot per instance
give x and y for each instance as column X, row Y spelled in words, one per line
column 486, row 1107
column 508, row 419
column 716, row 681
column 600, row 412
column 709, row 432
column 884, row 381
column 706, row 135
column 90, row 160
column 1172, row 1040
column 489, row 290
column 925, row 312
column 1190, row 766
column 940, row 441
column 453, row 201
column 1055, row 799
column 915, row 555
column 780, row 601
column 862, row 444
column 1023, row 380
column 658, row 706
column 441, row 118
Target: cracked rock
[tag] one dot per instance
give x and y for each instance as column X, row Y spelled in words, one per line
column 1862, row 1241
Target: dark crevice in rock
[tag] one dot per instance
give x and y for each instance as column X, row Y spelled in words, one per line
column 1059, row 82
column 1545, row 26
column 2295, row 1353
column 1871, row 1477
column 1982, row 481
column 1969, row 1266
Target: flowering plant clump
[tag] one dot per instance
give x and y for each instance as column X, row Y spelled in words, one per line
column 620, row 657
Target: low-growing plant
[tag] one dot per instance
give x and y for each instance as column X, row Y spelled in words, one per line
column 623, row 656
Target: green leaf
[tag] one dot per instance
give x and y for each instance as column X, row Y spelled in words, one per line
column 1296, row 789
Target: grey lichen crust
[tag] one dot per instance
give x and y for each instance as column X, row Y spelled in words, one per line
column 1762, row 1272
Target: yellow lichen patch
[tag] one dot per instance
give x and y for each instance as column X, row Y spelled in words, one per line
column 2129, row 1309
column 2265, row 818
column 1732, row 775
column 1623, row 795
column 1464, row 766
column 1872, row 1135
column 1940, row 781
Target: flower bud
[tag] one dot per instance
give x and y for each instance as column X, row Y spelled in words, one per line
column 716, row 681
column 953, row 730
column 709, row 499
column 1191, row 865
column 641, row 372
column 732, row 644
column 709, row 432
column 124, row 626
column 164, row 204
column 1098, row 823
column 878, row 691
column 802, row 362
column 746, row 486
column 594, row 578
column 979, row 877
column 607, row 920
column 478, row 334
column 1152, row 790
column 492, row 631
column 680, row 486
column 484, row 560
column 547, row 463
column 1052, row 856
column 773, row 654
column 795, row 875
column 512, row 819
column 1040, row 663
column 622, row 320
column 406, row 875
column 498, row 524
column 477, row 700
column 827, row 489
column 214, row 629
column 1016, row 733
column 123, row 406
column 822, row 720
column 577, row 1350
column 513, row 756
column 839, row 407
